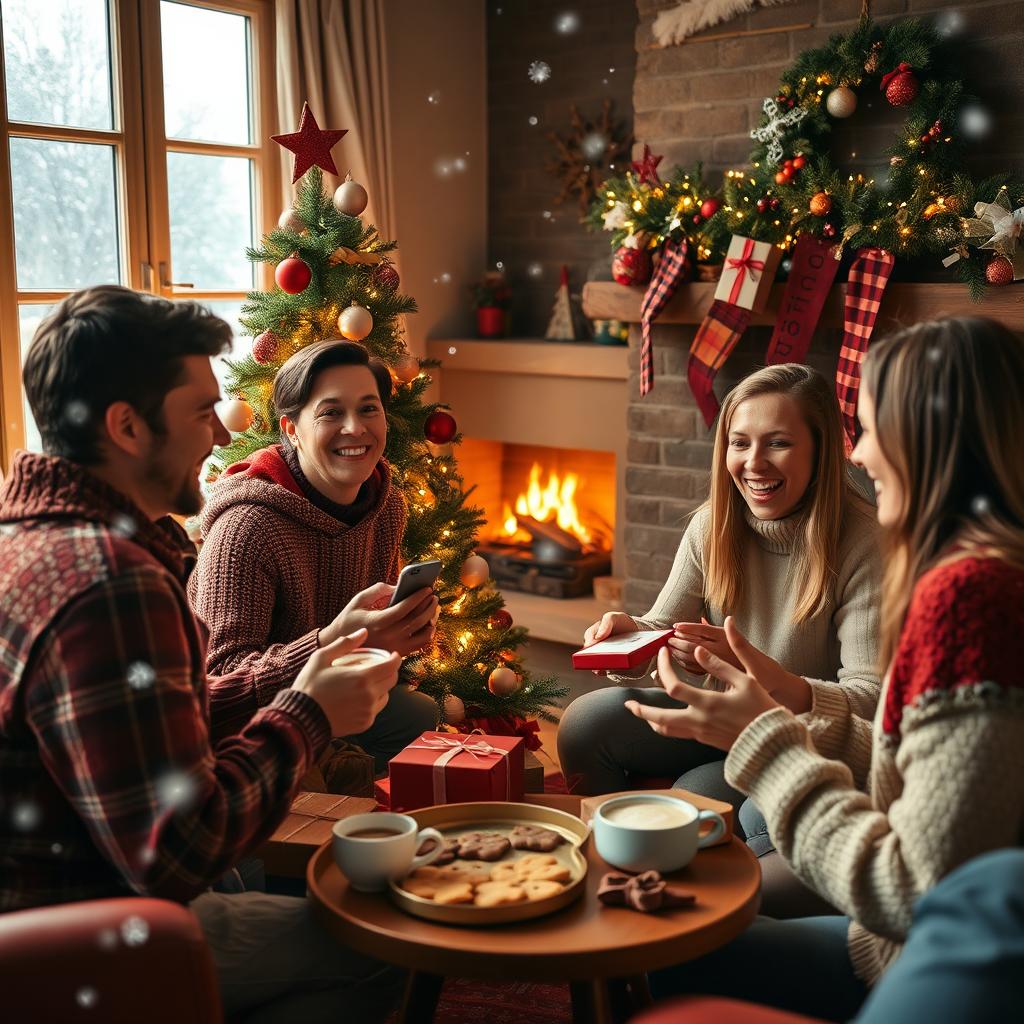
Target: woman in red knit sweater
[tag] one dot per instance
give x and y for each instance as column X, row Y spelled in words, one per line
column 301, row 541
column 872, row 817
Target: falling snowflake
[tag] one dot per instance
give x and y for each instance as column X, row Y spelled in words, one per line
column 975, row 121
column 26, row 815
column 87, row 997
column 535, row 270
column 532, row 120
column 949, row 23
column 123, row 525
column 107, row 939
column 500, row 265
column 934, row 354
column 147, row 855
column 567, row 23
column 981, row 506
column 452, row 350
column 458, row 165
column 434, row 98
column 140, row 675
column 594, row 145
column 56, row 849
column 134, row 930
column 546, row 214
column 445, row 278
column 772, row 131
column 175, row 789
column 77, row 413
column 539, row 72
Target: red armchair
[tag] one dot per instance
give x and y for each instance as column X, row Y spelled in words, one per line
column 710, row 1010
column 128, row 959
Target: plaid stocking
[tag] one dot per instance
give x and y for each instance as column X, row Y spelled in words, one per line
column 865, row 285
column 716, row 338
column 672, row 269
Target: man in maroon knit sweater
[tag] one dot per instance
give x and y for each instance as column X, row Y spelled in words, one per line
column 124, row 769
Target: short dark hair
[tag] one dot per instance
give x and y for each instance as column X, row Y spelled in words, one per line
column 296, row 378
column 110, row 344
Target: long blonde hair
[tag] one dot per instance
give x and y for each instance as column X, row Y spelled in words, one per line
column 814, row 559
column 949, row 418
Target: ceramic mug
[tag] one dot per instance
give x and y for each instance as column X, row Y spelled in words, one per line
column 652, row 832
column 374, row 849
column 362, row 656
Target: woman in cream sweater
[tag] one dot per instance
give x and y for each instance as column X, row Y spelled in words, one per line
column 872, row 816
column 787, row 547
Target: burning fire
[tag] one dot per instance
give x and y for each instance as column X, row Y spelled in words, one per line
column 555, row 501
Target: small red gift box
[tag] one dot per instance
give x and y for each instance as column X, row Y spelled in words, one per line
column 451, row 768
column 626, row 650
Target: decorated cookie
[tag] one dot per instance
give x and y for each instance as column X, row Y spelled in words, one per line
column 487, row 846
column 536, row 866
column 532, row 837
column 540, row 890
column 465, row 871
column 458, row 892
column 495, row 894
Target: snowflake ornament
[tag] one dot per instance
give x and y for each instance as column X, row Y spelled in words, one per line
column 772, row 132
column 539, row 72
column 134, row 930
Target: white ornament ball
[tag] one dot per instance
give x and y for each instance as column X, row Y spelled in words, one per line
column 290, row 221
column 474, row 572
column 440, row 451
column 841, row 102
column 503, row 682
column 355, row 323
column 236, row 415
column 350, row 197
column 407, row 368
column 454, row 709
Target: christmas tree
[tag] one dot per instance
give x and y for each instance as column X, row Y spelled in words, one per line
column 335, row 278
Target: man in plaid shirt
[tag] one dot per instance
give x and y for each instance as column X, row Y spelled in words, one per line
column 124, row 769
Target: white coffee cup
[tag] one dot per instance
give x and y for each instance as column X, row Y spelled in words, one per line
column 365, row 656
column 652, row 832
column 374, row 849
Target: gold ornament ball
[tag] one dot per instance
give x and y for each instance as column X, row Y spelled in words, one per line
column 454, row 709
column 237, row 415
column 821, row 204
column 503, row 682
column 355, row 323
column 407, row 368
column 841, row 102
column 474, row 572
column 290, row 221
column 350, row 197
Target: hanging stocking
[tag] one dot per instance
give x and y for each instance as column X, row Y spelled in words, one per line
column 742, row 290
column 811, row 275
column 865, row 286
column 673, row 269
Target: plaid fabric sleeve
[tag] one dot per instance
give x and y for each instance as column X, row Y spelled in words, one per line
column 118, row 705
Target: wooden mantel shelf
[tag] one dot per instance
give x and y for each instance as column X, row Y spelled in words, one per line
column 903, row 304
column 531, row 357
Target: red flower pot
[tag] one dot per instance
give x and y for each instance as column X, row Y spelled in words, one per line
column 490, row 322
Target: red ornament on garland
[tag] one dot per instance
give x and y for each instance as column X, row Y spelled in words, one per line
column 385, row 276
column 264, row 348
column 709, row 208
column 501, row 619
column 631, row 266
column 900, row 86
column 293, row 275
column 999, row 271
column 440, row 427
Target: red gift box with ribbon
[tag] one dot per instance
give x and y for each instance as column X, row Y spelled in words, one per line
column 451, row 768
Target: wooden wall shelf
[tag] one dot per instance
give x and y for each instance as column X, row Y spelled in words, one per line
column 903, row 304
column 533, row 357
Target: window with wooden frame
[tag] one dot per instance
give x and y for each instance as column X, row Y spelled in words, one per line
column 136, row 150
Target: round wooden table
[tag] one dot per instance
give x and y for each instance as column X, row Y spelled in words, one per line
column 587, row 944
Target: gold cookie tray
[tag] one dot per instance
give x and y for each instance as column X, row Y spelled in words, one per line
column 452, row 820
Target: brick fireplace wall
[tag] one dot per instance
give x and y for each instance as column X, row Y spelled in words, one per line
column 698, row 102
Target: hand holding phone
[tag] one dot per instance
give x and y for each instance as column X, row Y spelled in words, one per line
column 415, row 577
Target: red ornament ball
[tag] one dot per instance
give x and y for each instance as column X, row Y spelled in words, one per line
column 264, row 348
column 440, row 427
column 762, row 205
column 999, row 271
column 781, row 178
column 293, row 275
column 385, row 276
column 697, row 218
column 631, row 266
column 775, row 202
column 709, row 208
column 900, row 86
column 501, row 619
column 799, row 161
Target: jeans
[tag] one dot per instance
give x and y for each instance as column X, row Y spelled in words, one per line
column 406, row 714
column 801, row 966
column 277, row 965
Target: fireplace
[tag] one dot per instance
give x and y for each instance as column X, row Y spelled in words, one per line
column 550, row 514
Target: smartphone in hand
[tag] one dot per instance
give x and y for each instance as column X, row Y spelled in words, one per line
column 415, row 577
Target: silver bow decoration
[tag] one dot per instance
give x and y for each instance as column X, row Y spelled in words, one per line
column 998, row 223
column 775, row 127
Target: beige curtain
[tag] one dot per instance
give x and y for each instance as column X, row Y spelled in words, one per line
column 331, row 54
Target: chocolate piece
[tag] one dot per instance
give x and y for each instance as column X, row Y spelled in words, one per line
column 644, row 892
column 532, row 837
column 482, row 846
column 448, row 853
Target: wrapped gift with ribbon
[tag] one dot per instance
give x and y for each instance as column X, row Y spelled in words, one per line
column 748, row 273
column 448, row 768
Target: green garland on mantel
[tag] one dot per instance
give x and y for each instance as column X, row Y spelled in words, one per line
column 921, row 209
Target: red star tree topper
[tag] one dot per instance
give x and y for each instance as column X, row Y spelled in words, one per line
column 646, row 168
column 311, row 145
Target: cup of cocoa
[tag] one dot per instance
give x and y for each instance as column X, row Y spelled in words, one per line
column 365, row 656
column 652, row 832
column 374, row 849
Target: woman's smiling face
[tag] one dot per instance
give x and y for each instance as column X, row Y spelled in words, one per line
column 771, row 454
